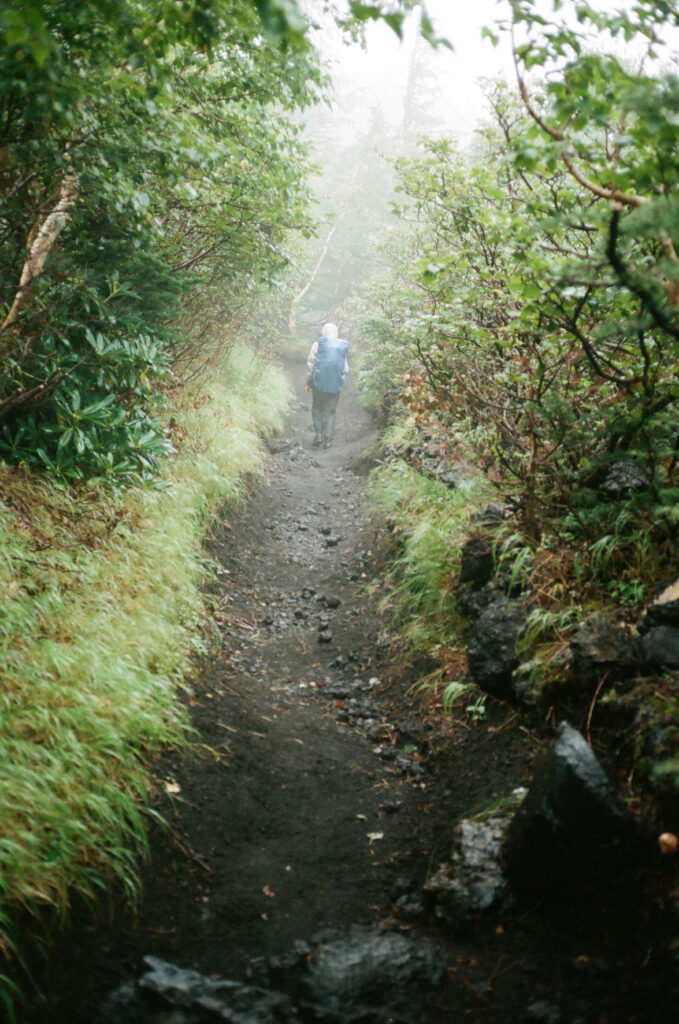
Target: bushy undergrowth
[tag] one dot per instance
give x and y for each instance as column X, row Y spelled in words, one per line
column 101, row 614
column 430, row 523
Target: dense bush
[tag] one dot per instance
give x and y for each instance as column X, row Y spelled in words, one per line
column 533, row 295
column 144, row 152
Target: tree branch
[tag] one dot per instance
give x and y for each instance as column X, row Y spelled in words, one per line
column 658, row 314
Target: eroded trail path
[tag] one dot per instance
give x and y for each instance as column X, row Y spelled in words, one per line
column 290, row 819
column 284, row 810
column 319, row 799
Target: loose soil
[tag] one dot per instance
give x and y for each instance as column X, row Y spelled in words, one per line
column 323, row 790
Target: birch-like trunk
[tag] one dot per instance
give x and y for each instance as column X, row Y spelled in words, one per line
column 40, row 243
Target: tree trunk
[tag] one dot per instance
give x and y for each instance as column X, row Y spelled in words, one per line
column 41, row 242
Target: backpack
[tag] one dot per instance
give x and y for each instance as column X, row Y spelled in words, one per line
column 328, row 374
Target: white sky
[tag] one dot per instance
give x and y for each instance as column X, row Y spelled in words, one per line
column 381, row 69
column 383, row 66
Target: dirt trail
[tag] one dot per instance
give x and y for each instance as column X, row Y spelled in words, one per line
column 282, row 826
column 312, row 806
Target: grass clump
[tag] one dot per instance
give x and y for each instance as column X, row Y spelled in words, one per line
column 430, row 522
column 102, row 612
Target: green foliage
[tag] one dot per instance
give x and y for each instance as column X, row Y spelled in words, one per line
column 102, row 615
column 475, row 701
column 476, row 708
column 429, row 521
column 153, row 177
column 531, row 315
column 513, row 557
column 148, row 154
column 544, row 625
column 452, row 692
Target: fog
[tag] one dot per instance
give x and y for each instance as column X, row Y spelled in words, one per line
column 386, row 95
column 378, row 73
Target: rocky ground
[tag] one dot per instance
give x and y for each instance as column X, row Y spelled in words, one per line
column 322, row 794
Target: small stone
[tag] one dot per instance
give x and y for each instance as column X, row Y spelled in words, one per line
column 543, row 1012
column 668, row 843
column 391, row 806
column 624, row 476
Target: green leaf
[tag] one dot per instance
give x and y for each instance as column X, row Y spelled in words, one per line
column 65, row 438
column 487, row 33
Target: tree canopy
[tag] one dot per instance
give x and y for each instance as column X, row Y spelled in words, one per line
column 146, row 150
column 532, row 309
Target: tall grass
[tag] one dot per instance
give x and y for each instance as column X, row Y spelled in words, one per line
column 100, row 614
column 431, row 523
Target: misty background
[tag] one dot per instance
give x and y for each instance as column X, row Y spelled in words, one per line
column 386, row 94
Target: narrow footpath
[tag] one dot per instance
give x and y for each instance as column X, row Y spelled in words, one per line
column 319, row 797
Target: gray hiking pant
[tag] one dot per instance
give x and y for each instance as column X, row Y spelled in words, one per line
column 323, row 407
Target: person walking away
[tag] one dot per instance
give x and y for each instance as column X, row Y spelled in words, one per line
column 327, row 365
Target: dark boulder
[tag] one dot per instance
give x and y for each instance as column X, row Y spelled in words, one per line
column 167, row 994
column 660, row 615
column 477, row 563
column 664, row 611
column 572, row 832
column 368, row 970
column 491, row 654
column 473, row 600
column 492, row 514
column 601, row 644
column 527, row 689
column 364, row 976
column 625, row 476
column 660, row 647
column 367, row 975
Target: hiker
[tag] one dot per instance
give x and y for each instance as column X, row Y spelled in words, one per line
column 327, row 365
